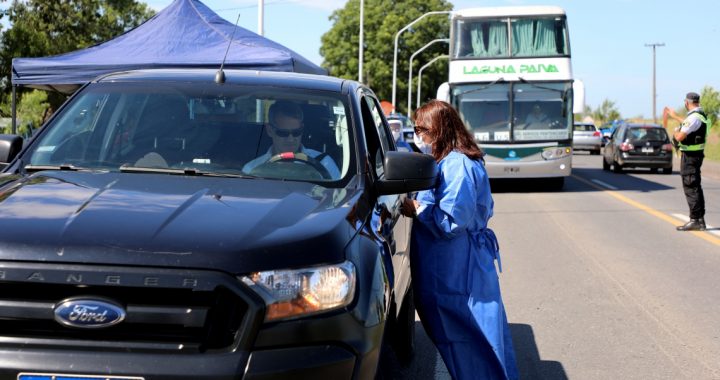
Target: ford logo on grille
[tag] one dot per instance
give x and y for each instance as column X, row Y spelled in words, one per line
column 89, row 313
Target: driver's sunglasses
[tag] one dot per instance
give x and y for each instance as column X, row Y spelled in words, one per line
column 287, row 132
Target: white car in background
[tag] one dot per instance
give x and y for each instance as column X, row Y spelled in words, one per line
column 586, row 136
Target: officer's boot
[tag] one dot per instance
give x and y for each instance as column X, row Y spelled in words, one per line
column 693, row 225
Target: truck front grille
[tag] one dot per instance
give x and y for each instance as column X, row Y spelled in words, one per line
column 209, row 317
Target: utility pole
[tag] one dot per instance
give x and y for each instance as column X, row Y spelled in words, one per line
column 409, row 107
column 654, row 96
column 395, row 54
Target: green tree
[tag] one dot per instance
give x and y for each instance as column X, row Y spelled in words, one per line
column 606, row 111
column 31, row 111
column 41, row 28
column 710, row 103
column 383, row 19
column 587, row 111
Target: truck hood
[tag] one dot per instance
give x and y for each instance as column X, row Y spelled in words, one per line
column 230, row 224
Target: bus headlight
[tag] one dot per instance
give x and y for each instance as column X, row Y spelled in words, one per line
column 556, row 153
column 300, row 292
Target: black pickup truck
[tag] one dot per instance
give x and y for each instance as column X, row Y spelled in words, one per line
column 157, row 227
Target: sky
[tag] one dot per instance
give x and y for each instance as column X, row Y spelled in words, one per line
column 607, row 40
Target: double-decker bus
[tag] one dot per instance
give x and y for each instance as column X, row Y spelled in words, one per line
column 511, row 79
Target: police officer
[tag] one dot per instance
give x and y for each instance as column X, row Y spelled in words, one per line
column 690, row 137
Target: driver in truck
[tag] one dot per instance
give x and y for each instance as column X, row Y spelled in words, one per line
column 285, row 128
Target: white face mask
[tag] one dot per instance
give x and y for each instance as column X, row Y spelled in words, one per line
column 425, row 148
column 396, row 135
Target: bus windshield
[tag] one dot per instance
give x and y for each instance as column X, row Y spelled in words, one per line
column 516, row 112
column 540, row 36
column 485, row 110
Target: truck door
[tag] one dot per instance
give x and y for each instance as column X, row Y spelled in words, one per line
column 388, row 224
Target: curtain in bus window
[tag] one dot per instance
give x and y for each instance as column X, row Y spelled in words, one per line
column 497, row 39
column 544, row 43
column 477, row 41
column 522, row 34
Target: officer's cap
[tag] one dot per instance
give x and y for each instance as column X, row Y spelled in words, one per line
column 693, row 97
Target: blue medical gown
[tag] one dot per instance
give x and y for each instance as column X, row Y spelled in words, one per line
column 453, row 268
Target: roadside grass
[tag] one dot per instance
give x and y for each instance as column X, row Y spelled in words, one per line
column 712, row 146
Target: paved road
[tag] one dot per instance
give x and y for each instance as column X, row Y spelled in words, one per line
column 597, row 282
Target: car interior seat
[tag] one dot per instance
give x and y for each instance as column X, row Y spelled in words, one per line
column 320, row 130
column 163, row 128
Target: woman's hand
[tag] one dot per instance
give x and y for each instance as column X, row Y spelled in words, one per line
column 409, row 207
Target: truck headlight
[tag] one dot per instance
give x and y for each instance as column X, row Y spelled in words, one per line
column 556, row 153
column 299, row 292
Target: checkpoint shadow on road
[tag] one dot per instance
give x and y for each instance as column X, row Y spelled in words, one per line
column 427, row 365
column 530, row 365
column 575, row 185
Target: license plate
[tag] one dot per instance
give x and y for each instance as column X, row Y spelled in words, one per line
column 61, row 376
column 647, row 150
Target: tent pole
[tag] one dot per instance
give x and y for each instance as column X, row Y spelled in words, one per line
column 261, row 17
column 14, row 110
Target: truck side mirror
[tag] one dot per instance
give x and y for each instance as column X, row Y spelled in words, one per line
column 406, row 172
column 10, row 146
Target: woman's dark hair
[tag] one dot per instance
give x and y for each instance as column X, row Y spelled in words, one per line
column 442, row 123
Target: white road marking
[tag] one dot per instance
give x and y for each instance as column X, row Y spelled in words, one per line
column 708, row 227
column 681, row 217
column 603, row 184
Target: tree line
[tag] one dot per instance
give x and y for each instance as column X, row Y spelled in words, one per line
column 39, row 28
column 607, row 111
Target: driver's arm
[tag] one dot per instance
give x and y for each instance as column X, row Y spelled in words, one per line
column 331, row 167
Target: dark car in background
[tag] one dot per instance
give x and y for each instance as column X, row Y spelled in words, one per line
column 135, row 244
column 586, row 136
column 635, row 145
column 607, row 129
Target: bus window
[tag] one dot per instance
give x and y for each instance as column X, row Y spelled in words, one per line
column 541, row 112
column 481, row 39
column 539, row 37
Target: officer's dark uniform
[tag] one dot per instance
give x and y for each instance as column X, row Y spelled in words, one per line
column 693, row 153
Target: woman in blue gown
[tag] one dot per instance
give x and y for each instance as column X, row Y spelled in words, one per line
column 453, row 254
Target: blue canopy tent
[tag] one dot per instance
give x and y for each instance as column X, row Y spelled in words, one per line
column 184, row 34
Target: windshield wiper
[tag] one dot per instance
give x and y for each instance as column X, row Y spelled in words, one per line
column 481, row 87
column 184, row 171
column 64, row 167
column 525, row 81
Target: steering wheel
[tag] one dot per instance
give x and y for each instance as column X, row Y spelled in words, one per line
column 290, row 157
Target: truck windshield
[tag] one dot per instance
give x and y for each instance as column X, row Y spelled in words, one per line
column 198, row 128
